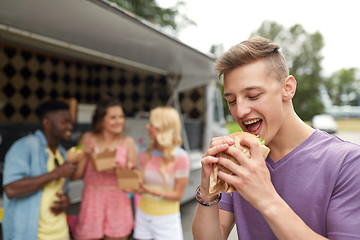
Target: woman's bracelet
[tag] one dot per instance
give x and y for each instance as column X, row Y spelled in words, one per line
column 198, row 198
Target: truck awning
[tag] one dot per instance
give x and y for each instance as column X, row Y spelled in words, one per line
column 96, row 30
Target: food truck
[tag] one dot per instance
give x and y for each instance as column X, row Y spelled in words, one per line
column 81, row 50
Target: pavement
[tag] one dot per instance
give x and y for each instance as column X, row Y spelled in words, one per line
column 187, row 214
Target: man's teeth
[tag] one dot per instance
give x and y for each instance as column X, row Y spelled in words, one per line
column 252, row 121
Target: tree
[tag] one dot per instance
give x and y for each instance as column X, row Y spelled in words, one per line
column 303, row 53
column 150, row 11
column 217, row 50
column 344, row 87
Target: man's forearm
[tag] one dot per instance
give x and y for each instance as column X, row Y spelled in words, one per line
column 28, row 186
column 206, row 223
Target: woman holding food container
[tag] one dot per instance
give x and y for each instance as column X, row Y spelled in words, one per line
column 165, row 171
column 106, row 210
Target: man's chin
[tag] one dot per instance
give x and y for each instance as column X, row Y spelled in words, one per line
column 66, row 138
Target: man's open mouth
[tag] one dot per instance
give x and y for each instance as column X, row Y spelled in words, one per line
column 252, row 125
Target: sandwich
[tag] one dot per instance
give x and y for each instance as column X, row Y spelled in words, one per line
column 75, row 153
column 216, row 184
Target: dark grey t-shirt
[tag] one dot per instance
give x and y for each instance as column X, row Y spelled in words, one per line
column 319, row 180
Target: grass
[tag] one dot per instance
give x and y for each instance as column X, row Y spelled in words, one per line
column 348, row 124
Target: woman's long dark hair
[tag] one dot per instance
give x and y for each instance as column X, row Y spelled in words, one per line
column 100, row 113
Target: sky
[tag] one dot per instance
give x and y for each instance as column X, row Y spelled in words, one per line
column 229, row 22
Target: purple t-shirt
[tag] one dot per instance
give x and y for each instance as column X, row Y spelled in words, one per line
column 319, row 180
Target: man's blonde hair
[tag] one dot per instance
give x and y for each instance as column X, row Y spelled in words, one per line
column 251, row 50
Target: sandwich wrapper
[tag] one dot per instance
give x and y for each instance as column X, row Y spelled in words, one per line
column 216, row 184
column 104, row 160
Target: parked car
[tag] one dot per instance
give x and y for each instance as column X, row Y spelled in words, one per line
column 324, row 122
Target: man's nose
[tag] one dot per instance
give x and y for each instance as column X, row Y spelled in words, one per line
column 242, row 109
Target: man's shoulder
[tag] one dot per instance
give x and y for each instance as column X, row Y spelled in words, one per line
column 333, row 141
column 31, row 138
column 333, row 147
column 30, row 141
column 329, row 140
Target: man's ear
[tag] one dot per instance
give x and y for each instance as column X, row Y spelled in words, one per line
column 289, row 88
column 45, row 123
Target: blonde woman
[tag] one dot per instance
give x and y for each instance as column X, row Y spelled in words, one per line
column 165, row 171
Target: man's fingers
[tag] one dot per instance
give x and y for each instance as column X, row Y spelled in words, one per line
column 221, row 140
column 208, row 160
column 230, row 179
column 215, row 150
column 255, row 151
column 237, row 154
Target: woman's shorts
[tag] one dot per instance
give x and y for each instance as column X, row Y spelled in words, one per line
column 162, row 227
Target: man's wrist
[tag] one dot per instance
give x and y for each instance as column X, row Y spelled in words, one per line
column 54, row 175
column 206, row 202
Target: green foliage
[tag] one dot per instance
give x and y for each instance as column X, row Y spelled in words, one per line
column 344, row 87
column 303, row 53
column 150, row 11
column 224, row 102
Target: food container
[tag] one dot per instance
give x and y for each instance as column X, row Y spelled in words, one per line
column 104, row 160
column 128, row 179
